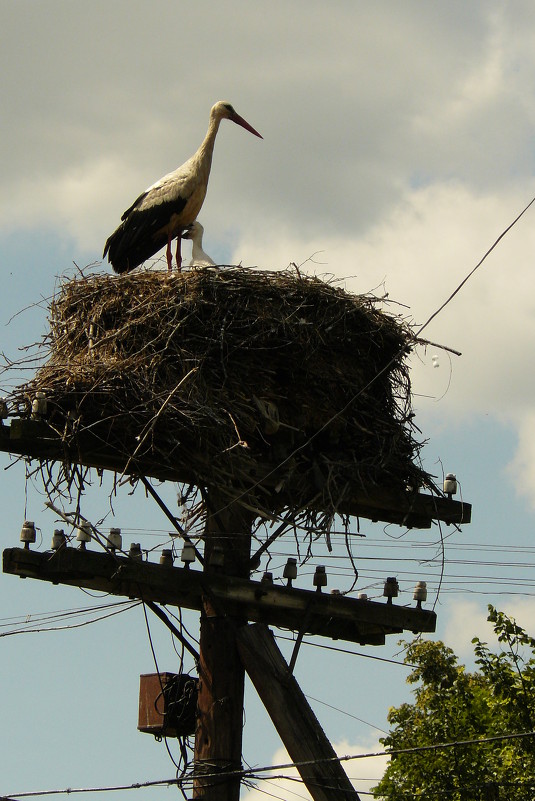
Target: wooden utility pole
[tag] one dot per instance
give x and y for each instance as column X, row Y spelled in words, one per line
column 218, row 736
column 296, row 723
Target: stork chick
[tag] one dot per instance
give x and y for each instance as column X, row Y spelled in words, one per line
column 199, row 258
column 164, row 210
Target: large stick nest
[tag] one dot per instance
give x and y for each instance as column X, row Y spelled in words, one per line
column 279, row 389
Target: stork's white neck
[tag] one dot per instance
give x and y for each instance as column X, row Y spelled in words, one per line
column 207, row 146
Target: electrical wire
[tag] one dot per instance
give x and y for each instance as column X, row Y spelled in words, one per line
column 346, row 651
column 125, row 608
column 106, row 789
column 478, row 265
column 258, row 773
column 272, row 795
column 151, row 644
column 31, row 618
column 345, row 712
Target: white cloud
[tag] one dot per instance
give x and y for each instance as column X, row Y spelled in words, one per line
column 466, row 619
column 523, row 611
column 364, row 773
column 522, row 467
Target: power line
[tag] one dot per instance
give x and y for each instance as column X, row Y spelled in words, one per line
column 131, row 605
column 107, row 789
column 478, row 265
column 56, row 614
column 344, row 712
column 254, row 773
column 346, row 651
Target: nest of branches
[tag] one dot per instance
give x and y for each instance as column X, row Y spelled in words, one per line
column 277, row 389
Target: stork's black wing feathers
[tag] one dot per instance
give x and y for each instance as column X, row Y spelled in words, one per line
column 140, row 236
column 136, row 203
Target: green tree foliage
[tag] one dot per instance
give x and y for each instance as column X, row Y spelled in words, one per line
column 451, row 706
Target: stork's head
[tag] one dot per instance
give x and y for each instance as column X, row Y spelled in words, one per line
column 224, row 111
column 193, row 231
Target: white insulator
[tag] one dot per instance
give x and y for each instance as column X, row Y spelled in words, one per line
column 391, row 588
column 84, row 533
column 27, row 532
column 166, row 558
column 267, row 578
column 290, row 570
column 59, row 540
column 135, row 551
column 320, row 578
column 188, row 554
column 450, row 484
column 420, row 592
column 115, row 540
column 362, row 596
column 39, row 405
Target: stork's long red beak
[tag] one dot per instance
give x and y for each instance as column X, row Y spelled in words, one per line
column 244, row 124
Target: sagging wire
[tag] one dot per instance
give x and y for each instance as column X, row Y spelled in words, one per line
column 178, row 634
column 181, row 623
column 161, row 614
column 126, row 607
column 345, row 712
column 442, row 566
column 183, row 757
column 351, row 559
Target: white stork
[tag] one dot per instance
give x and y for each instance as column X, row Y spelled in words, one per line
column 199, row 258
column 166, row 208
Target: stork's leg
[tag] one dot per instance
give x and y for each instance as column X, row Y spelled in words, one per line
column 169, row 255
column 178, row 254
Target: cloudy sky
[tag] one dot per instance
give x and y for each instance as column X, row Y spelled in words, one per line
column 399, row 143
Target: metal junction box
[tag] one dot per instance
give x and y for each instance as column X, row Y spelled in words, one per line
column 167, row 704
